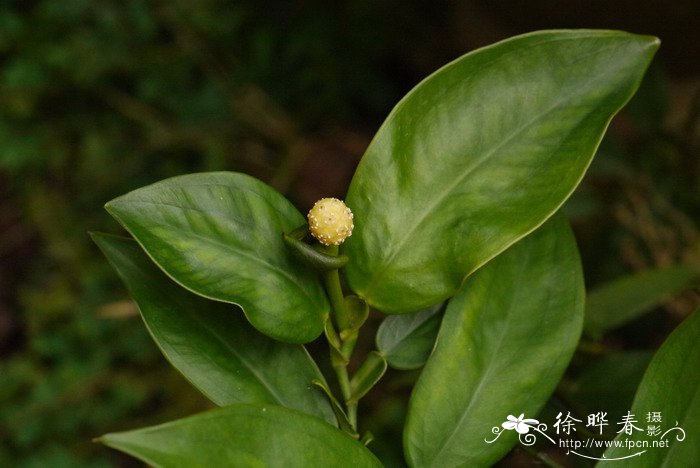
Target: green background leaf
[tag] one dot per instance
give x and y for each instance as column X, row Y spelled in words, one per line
column 212, row 344
column 670, row 386
column 608, row 384
column 406, row 340
column 478, row 155
column 244, row 436
column 219, row 234
column 625, row 299
column 503, row 345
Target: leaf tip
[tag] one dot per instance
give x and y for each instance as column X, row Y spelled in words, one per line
column 109, row 207
column 652, row 44
column 648, row 43
column 97, row 237
column 116, row 206
column 103, row 238
column 100, row 440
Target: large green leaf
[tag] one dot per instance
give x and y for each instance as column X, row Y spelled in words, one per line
column 623, row 300
column 219, row 235
column 478, row 155
column 406, row 340
column 244, row 436
column 212, row 344
column 503, row 345
column 671, row 387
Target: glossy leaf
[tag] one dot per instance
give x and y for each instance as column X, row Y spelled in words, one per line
column 670, row 387
column 406, row 340
column 212, row 344
column 623, row 300
column 219, row 235
column 244, row 436
column 478, row 155
column 503, row 345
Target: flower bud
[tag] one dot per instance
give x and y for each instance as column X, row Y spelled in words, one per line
column 330, row 221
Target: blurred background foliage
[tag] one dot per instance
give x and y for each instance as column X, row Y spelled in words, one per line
column 99, row 97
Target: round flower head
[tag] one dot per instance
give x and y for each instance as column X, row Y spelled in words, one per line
column 330, row 221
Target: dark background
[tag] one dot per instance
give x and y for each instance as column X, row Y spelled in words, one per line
column 98, row 97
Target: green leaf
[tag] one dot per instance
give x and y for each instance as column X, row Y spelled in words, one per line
column 406, row 340
column 358, row 311
column 671, row 387
column 503, row 345
column 478, row 155
column 243, row 436
column 625, row 299
column 340, row 415
column 367, row 376
column 219, row 235
column 608, row 384
column 332, row 337
column 212, row 344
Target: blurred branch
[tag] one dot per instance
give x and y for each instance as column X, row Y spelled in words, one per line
column 135, row 110
column 660, row 236
column 118, row 310
column 250, row 105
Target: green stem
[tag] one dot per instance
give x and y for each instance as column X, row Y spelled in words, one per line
column 352, row 414
column 341, row 371
column 343, row 380
column 331, row 280
column 341, row 317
